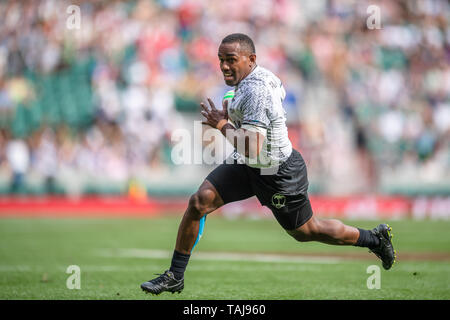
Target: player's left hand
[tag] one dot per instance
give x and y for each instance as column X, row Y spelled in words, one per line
column 213, row 116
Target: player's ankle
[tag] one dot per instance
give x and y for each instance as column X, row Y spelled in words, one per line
column 367, row 239
column 179, row 264
column 178, row 275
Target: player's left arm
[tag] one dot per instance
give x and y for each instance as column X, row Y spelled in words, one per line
column 247, row 140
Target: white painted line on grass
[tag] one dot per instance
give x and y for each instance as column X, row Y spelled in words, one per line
column 220, row 256
column 442, row 267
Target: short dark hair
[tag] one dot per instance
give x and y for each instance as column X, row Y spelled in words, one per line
column 244, row 40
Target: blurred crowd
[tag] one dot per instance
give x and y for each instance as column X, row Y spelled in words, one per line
column 369, row 109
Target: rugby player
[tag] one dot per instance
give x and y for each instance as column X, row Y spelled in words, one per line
column 264, row 165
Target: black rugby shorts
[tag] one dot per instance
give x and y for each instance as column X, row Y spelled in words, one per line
column 284, row 191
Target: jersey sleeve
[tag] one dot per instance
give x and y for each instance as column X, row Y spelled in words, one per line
column 256, row 103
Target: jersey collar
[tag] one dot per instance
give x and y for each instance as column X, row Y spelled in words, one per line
column 247, row 77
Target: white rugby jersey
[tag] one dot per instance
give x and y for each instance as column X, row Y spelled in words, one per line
column 257, row 106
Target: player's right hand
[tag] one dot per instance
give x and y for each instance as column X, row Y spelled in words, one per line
column 213, row 116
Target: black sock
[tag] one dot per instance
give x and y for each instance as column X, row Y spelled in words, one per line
column 179, row 263
column 367, row 239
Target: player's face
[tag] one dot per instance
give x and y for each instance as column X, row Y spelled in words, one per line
column 235, row 64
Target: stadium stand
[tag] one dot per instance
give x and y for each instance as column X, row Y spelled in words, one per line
column 92, row 111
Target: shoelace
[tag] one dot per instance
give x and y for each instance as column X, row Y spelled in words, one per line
column 162, row 277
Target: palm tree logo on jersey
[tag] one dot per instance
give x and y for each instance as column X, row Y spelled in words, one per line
column 278, row 200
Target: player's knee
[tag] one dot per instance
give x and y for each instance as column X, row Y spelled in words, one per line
column 195, row 206
column 301, row 237
column 308, row 232
column 202, row 202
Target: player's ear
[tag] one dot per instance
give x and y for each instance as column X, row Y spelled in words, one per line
column 252, row 58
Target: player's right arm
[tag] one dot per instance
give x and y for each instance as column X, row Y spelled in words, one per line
column 247, row 141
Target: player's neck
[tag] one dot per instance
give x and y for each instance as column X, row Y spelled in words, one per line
column 249, row 73
column 251, row 70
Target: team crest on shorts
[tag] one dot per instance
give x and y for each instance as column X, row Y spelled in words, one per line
column 278, row 200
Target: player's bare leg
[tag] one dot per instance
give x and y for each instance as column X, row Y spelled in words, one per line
column 204, row 201
column 334, row 232
column 330, row 231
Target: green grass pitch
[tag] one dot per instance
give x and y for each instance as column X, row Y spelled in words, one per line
column 112, row 256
